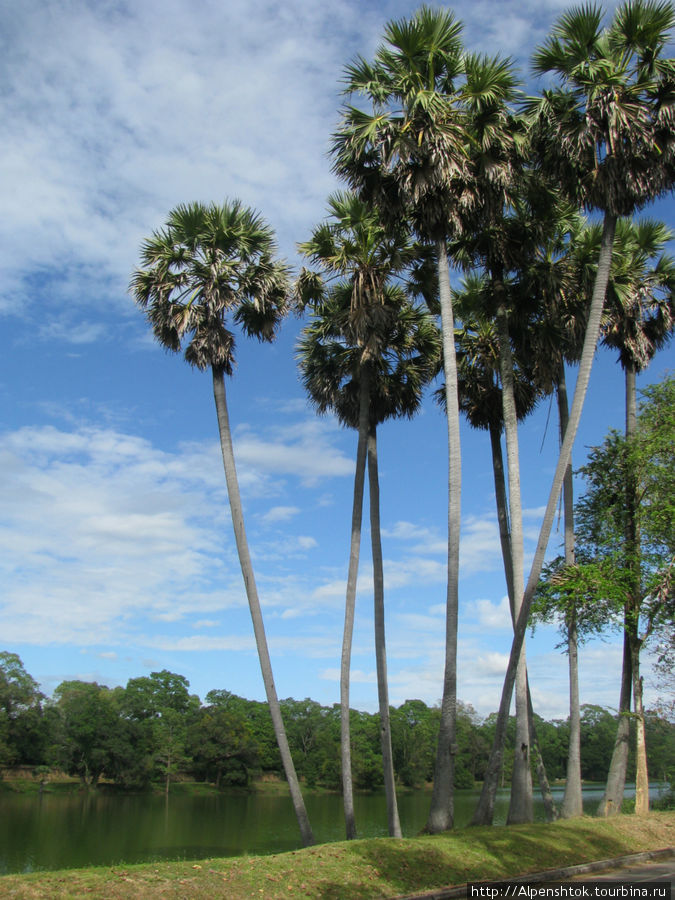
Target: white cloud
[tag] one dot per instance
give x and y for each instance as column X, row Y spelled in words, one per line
column 494, row 615
column 102, row 530
column 279, row 514
column 304, row 450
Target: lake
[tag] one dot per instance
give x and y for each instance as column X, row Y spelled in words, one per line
column 55, row 831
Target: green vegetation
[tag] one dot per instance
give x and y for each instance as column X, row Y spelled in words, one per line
column 449, row 167
column 155, row 734
column 365, row 868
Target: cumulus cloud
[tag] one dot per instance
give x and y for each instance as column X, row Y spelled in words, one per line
column 493, row 615
column 101, row 530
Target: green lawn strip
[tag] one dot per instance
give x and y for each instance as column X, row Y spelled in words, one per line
column 372, row 868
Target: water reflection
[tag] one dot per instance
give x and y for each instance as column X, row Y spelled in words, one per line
column 53, row 831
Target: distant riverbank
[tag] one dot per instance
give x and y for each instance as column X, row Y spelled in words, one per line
column 371, row 868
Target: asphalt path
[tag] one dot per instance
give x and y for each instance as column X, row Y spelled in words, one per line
column 661, row 871
column 657, row 867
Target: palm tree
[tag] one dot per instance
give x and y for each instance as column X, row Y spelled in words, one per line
column 607, row 137
column 559, row 275
column 481, row 402
column 409, row 156
column 209, row 267
column 639, row 319
column 497, row 156
column 331, row 368
column 354, row 247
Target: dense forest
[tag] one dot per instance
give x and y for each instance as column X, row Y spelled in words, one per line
column 153, row 730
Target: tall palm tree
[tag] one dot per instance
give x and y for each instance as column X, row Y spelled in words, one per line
column 559, row 275
column 331, row 368
column 408, row 154
column 357, row 256
column 481, row 402
column 607, row 136
column 639, row 318
column 208, row 268
column 497, row 157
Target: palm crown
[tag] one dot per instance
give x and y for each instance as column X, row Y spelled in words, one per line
column 211, row 266
column 610, row 124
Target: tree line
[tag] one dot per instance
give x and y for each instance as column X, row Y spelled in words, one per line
column 154, row 731
column 448, row 168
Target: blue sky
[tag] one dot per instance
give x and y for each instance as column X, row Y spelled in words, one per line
column 116, row 555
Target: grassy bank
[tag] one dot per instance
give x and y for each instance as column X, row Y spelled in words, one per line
column 365, row 869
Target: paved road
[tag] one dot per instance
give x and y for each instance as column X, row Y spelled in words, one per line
column 660, row 870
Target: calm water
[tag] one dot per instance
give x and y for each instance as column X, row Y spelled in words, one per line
column 60, row 831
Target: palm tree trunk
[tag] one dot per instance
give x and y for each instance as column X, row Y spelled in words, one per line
column 572, row 804
column 635, row 563
column 612, row 798
column 633, row 546
column 485, row 809
column 254, row 604
column 520, row 807
column 441, row 813
column 505, row 541
column 544, row 786
column 502, row 510
column 380, row 639
column 350, row 603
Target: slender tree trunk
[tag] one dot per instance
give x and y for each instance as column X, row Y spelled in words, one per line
column 350, row 604
column 612, row 798
column 505, row 541
column 441, row 813
column 485, row 809
column 502, row 510
column 254, row 604
column 544, row 786
column 572, row 804
column 380, row 639
column 641, row 775
column 521, row 805
column 635, row 561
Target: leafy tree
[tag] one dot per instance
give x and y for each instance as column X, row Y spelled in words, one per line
column 598, row 727
column 86, row 728
column 630, row 569
column 414, row 738
column 209, row 268
column 258, row 716
column 221, row 747
column 22, row 733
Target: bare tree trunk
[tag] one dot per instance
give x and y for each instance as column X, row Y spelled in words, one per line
column 350, row 604
column 521, row 805
column 502, row 510
column 505, row 541
column 641, row 775
column 380, row 639
column 254, row 605
column 612, row 798
column 550, row 809
column 441, row 813
column 572, row 804
column 485, row 809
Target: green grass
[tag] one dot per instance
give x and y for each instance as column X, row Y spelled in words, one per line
column 365, row 869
